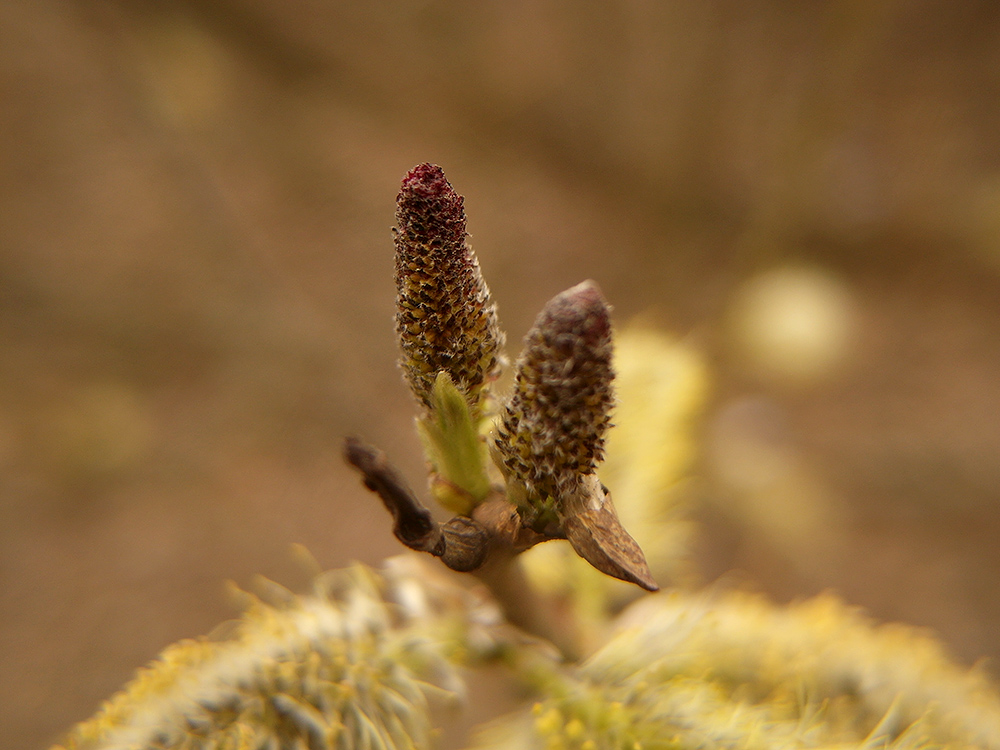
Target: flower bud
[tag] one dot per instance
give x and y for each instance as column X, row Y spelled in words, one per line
column 445, row 317
column 551, row 434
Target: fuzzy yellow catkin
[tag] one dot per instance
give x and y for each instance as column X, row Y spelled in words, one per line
column 351, row 666
column 731, row 672
column 445, row 317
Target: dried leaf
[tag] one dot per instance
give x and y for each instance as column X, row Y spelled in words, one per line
column 599, row 538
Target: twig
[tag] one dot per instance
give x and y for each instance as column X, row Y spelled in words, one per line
column 462, row 543
column 413, row 524
column 486, row 544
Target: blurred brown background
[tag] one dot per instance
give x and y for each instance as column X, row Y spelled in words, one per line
column 196, row 287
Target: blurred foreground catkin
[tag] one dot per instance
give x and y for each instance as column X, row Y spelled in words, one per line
column 358, row 663
column 354, row 665
column 732, row 672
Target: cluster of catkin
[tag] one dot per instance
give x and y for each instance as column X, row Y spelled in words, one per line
column 548, row 438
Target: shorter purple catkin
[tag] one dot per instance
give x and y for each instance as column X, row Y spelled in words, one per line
column 445, row 317
column 551, row 433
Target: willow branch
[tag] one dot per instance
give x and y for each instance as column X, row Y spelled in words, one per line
column 412, row 523
column 486, row 544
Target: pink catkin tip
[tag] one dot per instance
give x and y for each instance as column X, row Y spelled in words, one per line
column 427, row 178
column 581, row 309
column 428, row 210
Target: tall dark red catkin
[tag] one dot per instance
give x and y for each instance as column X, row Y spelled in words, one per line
column 445, row 317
